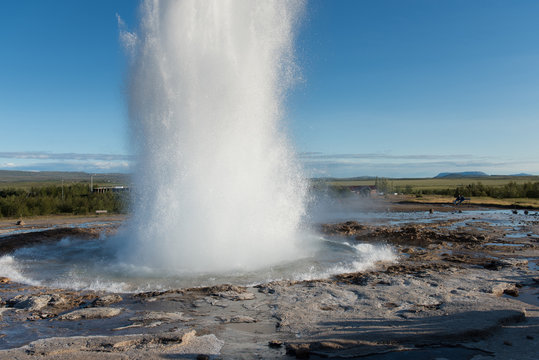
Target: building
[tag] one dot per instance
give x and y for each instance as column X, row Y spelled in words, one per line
column 116, row 189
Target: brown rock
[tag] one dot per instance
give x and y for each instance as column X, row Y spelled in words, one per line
column 275, row 343
column 235, row 296
column 30, row 302
column 347, row 228
column 237, row 319
column 511, row 292
column 301, row 351
column 107, row 300
column 328, row 345
column 91, row 313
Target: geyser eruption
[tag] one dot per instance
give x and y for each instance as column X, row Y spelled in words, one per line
column 217, row 186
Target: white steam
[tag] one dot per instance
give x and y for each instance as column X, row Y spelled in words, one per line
column 217, row 185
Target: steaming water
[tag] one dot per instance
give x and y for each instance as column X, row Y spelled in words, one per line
column 83, row 264
column 217, row 185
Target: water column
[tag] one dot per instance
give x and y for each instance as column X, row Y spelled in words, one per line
column 217, row 185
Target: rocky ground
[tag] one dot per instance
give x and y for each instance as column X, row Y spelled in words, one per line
column 461, row 289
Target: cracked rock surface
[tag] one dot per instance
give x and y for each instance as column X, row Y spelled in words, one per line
column 460, row 289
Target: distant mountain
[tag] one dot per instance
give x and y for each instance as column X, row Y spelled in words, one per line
column 521, row 174
column 357, row 178
column 461, row 174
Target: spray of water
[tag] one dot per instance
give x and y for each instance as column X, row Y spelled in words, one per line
column 217, row 186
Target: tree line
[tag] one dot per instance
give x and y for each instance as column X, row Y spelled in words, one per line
column 509, row 190
column 50, row 200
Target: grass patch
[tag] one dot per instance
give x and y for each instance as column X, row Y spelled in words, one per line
column 481, row 200
column 428, row 184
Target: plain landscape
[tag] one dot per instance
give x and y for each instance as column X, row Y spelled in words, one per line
column 297, row 179
column 463, row 284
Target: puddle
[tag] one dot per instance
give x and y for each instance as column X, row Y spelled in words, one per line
column 516, row 235
column 528, row 295
column 43, row 228
column 429, row 354
column 533, row 264
column 504, row 244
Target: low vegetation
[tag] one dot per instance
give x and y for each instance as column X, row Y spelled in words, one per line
column 494, row 186
column 25, row 194
column 51, row 199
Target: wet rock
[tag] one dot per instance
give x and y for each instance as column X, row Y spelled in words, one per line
column 200, row 303
column 511, row 292
column 29, row 302
column 50, row 303
column 275, row 343
column 406, row 235
column 348, row 228
column 20, row 223
column 465, row 237
column 106, row 300
column 61, row 302
column 140, row 346
column 159, row 316
column 218, row 289
column 12, row 242
column 235, row 296
column 300, row 351
column 354, row 278
column 495, row 265
column 505, row 288
column 5, row 280
column 419, row 270
column 203, row 357
column 237, row 319
column 266, row 289
column 2, row 310
column 39, row 316
column 91, row 313
column 328, row 345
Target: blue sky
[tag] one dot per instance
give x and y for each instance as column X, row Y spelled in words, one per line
column 389, row 88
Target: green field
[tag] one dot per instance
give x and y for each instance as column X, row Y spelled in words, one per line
column 428, row 184
column 476, row 200
column 28, row 179
column 24, row 194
